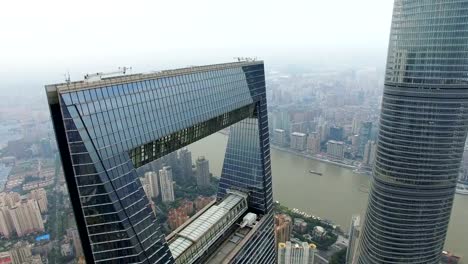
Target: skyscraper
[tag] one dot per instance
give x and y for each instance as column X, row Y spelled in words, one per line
column 107, row 127
column 421, row 135
column 185, row 158
column 203, row 171
column 369, row 153
column 354, row 232
column 167, row 184
column 364, row 136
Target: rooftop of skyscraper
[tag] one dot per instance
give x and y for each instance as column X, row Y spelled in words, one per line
column 100, row 79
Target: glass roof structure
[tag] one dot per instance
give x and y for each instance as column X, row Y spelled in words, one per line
column 197, row 236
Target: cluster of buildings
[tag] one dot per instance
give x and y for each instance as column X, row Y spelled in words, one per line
column 290, row 250
column 160, row 184
column 20, row 253
column 71, row 245
column 355, row 143
column 35, row 176
column 178, row 216
column 21, row 216
column 302, row 253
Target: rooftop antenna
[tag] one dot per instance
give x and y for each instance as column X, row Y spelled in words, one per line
column 67, row 77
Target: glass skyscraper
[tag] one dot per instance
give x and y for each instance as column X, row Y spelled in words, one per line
column 107, row 128
column 423, row 126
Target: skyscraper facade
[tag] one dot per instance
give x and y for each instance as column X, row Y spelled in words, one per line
column 423, row 126
column 106, row 128
column 203, row 171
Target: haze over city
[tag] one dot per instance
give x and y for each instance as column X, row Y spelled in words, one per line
column 245, row 132
column 50, row 38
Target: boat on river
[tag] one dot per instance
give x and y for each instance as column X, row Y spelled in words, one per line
column 316, row 173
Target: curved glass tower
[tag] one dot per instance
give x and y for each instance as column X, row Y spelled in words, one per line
column 423, row 127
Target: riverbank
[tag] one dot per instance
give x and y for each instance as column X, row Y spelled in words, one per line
column 312, row 157
column 338, row 195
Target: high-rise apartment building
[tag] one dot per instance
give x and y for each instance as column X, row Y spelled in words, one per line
column 203, row 171
column 20, row 216
column 167, row 184
column 369, row 153
column 335, row 149
column 151, row 179
column 26, row 217
column 298, row 141
column 289, row 253
column 41, row 197
column 107, row 127
column 6, row 224
column 365, row 131
column 21, row 253
column 313, row 143
column 279, row 136
column 185, row 160
column 283, row 228
column 421, row 134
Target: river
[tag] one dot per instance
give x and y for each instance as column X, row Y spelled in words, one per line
column 336, row 195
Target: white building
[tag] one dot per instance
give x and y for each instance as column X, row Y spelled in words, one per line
column 296, row 254
column 335, row 149
column 167, row 184
column 313, row 143
column 151, row 179
column 298, row 141
column 279, row 137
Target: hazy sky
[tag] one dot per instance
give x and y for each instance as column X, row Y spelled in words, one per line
column 41, row 40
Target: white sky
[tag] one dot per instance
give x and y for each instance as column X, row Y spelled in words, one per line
column 44, row 39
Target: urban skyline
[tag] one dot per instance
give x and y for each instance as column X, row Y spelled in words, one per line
column 351, row 161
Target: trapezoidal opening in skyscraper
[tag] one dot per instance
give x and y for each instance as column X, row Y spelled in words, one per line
column 108, row 128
